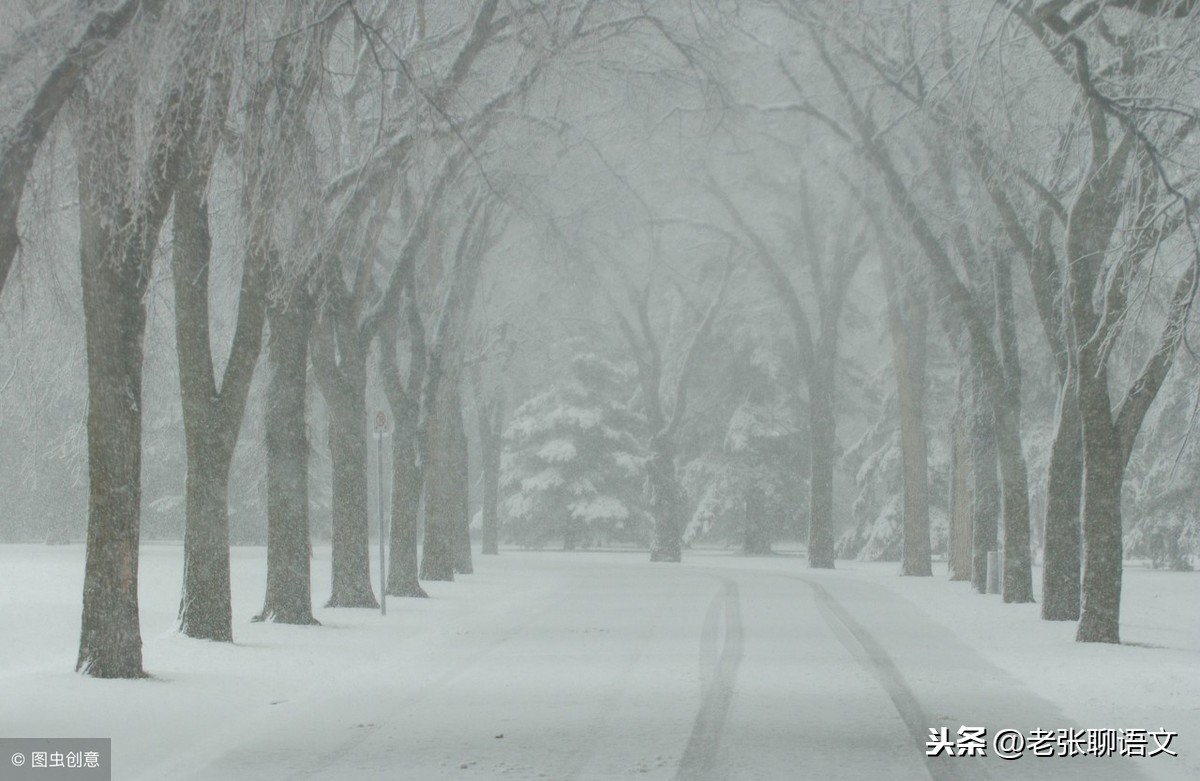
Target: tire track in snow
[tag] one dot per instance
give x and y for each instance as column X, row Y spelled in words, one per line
column 619, row 691
column 700, row 757
column 871, row 655
column 337, row 755
column 339, row 737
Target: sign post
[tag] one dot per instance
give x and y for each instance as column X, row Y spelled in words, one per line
column 381, row 428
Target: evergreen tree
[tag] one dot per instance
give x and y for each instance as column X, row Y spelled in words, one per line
column 878, row 510
column 746, row 488
column 573, row 466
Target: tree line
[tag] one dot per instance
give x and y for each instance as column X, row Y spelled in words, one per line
column 644, row 245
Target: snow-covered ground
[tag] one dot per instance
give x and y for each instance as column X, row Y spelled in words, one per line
column 601, row 665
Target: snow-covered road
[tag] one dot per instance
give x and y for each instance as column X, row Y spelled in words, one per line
column 584, row 666
column 614, row 668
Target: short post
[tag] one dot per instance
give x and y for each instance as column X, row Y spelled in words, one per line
column 381, row 427
column 993, row 572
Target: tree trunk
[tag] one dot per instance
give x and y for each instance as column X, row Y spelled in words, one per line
column 289, row 548
column 998, row 369
column 1108, row 442
column 212, row 417
column 823, row 437
column 1014, row 474
column 1103, row 472
column 407, row 470
column 666, row 503
column 908, row 318
column 115, row 259
column 757, row 540
column 119, row 225
column 110, row 643
column 959, row 564
column 348, row 454
column 1014, row 508
column 460, row 460
column 1064, row 486
column 402, row 580
column 206, row 609
column 908, row 343
column 441, row 491
column 491, row 440
column 985, row 509
column 666, row 500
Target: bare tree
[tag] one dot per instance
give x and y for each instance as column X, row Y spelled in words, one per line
column 440, row 438
column 908, row 315
column 279, row 153
column 288, row 597
column 996, row 364
column 665, row 406
column 489, row 417
column 120, row 219
column 433, row 116
column 831, row 258
column 55, row 89
column 404, row 399
column 1125, row 187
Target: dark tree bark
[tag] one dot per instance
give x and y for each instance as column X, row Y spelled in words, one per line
column 289, row 547
column 1122, row 182
column 1108, row 434
column 1061, row 535
column 823, row 436
column 110, row 642
column 1014, row 493
column 406, row 507
column 1064, row 487
column 915, row 452
column 344, row 332
column 489, row 414
column 460, row 465
column 985, row 490
column 447, row 549
column 441, row 492
column 1104, row 471
column 212, row 415
column 343, row 382
column 276, row 119
column 358, row 308
column 407, row 473
column 114, row 281
column 959, row 564
column 117, row 237
column 349, row 323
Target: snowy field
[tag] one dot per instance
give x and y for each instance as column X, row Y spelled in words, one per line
column 601, row 665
